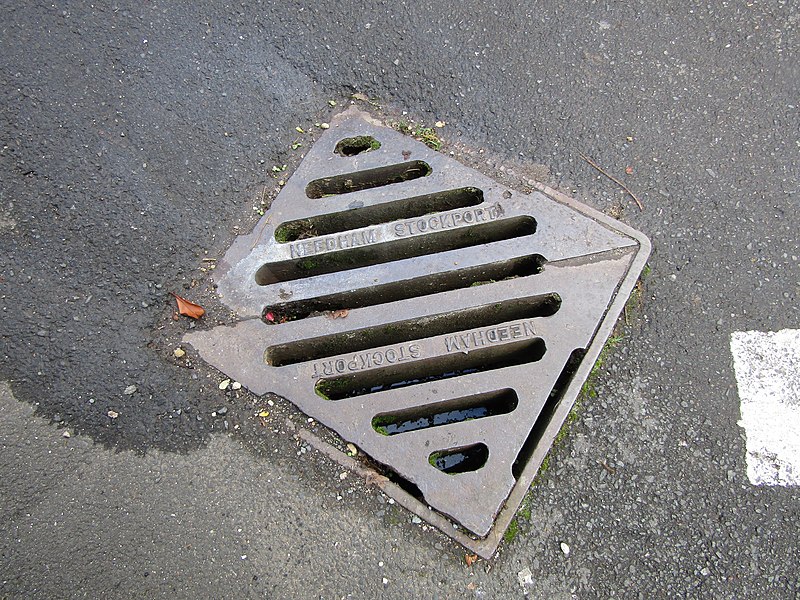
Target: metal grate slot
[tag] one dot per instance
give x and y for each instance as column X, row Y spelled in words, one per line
column 385, row 212
column 460, row 460
column 456, row 410
column 367, row 179
column 434, row 283
column 413, row 329
column 409, row 371
column 554, row 399
column 353, row 146
column 335, row 261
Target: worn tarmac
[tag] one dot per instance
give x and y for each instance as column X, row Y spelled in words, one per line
column 137, row 141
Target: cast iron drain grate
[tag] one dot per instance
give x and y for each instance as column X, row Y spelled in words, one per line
column 469, row 316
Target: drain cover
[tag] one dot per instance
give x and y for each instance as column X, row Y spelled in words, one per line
column 435, row 318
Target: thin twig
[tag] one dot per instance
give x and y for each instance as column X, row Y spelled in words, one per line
column 266, row 221
column 260, row 233
column 614, row 179
column 605, row 465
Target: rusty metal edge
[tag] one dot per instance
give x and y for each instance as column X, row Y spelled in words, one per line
column 487, row 547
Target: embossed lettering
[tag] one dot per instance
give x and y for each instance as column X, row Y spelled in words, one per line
column 464, row 342
column 447, row 220
column 339, row 242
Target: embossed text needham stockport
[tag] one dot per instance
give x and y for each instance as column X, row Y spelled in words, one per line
column 462, row 342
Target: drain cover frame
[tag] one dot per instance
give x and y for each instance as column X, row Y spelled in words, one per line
column 439, row 320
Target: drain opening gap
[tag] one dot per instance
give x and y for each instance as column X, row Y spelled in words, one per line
column 404, row 484
column 548, row 410
column 436, row 368
column 353, row 146
column 385, row 212
column 464, row 459
column 402, row 248
column 433, row 283
column 367, row 179
column 456, row 410
column 467, row 320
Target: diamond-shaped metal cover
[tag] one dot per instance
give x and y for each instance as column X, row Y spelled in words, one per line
column 440, row 321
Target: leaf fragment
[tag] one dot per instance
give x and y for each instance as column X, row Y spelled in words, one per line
column 470, row 559
column 374, row 478
column 338, row 314
column 188, row 308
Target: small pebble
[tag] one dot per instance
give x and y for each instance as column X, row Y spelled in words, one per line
column 236, row 385
column 131, row 389
column 224, row 384
column 179, row 353
column 324, row 126
column 113, row 414
column 343, row 475
column 565, row 548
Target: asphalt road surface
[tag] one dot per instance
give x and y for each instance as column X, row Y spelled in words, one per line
column 138, row 139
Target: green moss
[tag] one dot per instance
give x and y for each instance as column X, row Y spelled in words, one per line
column 380, row 424
column 512, row 532
column 427, row 135
column 403, row 127
column 294, row 230
column 589, row 389
column 525, row 512
column 306, row 264
column 282, row 234
column 543, row 468
column 356, row 145
column 327, row 388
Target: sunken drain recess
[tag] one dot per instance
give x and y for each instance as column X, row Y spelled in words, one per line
column 388, row 355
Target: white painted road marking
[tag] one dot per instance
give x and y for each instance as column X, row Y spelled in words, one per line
column 767, row 368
